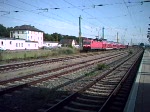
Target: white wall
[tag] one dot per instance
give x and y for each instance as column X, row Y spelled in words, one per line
column 9, row 44
column 31, row 45
column 29, row 36
column 50, row 44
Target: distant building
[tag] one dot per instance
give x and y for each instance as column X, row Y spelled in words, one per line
column 50, row 44
column 68, row 42
column 23, row 37
column 28, row 33
column 17, row 44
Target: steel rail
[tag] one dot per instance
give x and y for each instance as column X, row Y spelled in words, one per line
column 115, row 91
column 8, row 90
column 64, row 102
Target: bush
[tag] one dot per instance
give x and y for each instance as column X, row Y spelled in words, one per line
column 101, row 66
column 130, row 52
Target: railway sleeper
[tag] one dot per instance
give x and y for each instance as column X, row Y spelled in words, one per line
column 103, row 88
column 100, row 90
column 70, row 109
column 115, row 109
column 96, row 93
column 118, row 104
column 77, row 105
column 120, row 98
column 91, row 96
column 104, row 85
column 89, row 101
column 110, row 83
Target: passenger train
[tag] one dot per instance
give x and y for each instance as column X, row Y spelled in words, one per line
column 103, row 44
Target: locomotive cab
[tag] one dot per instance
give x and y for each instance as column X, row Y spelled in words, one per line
column 86, row 45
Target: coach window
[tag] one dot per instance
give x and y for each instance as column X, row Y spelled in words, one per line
column 2, row 42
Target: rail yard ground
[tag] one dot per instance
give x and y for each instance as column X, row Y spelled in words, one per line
column 41, row 86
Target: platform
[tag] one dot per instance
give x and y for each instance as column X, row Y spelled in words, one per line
column 139, row 98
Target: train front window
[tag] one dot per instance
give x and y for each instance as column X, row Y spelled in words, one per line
column 86, row 42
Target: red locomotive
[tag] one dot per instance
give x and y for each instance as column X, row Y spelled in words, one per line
column 95, row 44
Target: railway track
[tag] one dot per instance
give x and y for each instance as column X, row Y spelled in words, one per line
column 15, row 66
column 105, row 92
column 10, row 85
column 9, row 67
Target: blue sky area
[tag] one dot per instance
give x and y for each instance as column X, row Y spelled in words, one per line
column 130, row 18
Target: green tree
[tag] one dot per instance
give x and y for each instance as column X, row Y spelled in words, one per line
column 3, row 31
column 56, row 36
column 8, row 31
column 141, row 44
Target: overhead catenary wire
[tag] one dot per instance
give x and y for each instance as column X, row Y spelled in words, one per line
column 53, row 12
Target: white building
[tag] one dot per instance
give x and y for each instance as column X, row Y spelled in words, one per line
column 28, row 33
column 16, row 44
column 50, row 44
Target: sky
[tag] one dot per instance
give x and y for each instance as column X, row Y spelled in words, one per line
column 129, row 18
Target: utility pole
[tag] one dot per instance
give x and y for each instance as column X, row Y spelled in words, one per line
column 80, row 38
column 117, row 38
column 131, row 41
column 103, row 33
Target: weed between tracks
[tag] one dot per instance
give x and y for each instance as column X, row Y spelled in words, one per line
column 100, row 66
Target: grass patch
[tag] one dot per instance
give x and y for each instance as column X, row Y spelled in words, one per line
column 130, row 52
column 101, row 66
column 35, row 54
column 90, row 73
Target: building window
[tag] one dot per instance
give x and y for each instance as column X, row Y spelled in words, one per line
column 10, row 42
column 18, row 32
column 29, row 45
column 35, row 45
column 2, row 43
column 22, row 32
column 21, row 44
column 31, row 37
column 18, row 36
column 16, row 44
